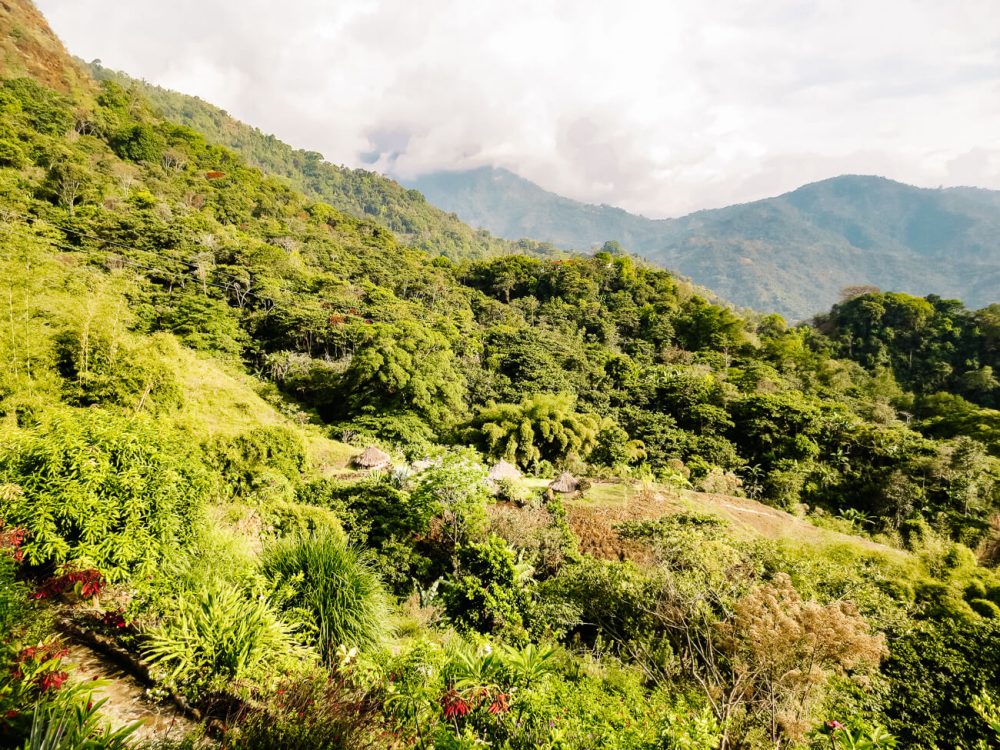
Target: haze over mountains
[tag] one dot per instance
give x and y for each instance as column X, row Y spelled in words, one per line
column 790, row 254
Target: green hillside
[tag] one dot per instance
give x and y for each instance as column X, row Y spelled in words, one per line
column 245, row 444
column 791, row 254
column 357, row 192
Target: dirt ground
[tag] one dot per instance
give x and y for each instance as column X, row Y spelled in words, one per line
column 127, row 698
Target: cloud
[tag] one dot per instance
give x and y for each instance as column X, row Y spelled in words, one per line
column 661, row 108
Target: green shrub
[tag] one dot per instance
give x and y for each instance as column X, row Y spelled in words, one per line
column 614, row 448
column 542, row 427
column 203, row 323
column 73, row 721
column 44, row 110
column 411, row 434
column 603, row 599
column 218, row 633
column 690, row 730
column 264, row 463
column 331, row 588
column 111, row 370
column 139, row 142
column 100, row 490
column 372, row 511
column 13, row 593
column 985, row 608
column 297, row 519
column 936, row 671
column 487, row 592
column 391, row 522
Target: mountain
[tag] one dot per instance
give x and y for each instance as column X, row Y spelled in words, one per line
column 358, row 192
column 29, row 48
column 790, row 254
column 512, row 206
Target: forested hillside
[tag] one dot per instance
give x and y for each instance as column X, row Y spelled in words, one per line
column 321, row 489
column 791, row 254
column 357, row 192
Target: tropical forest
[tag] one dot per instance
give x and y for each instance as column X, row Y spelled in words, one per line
column 290, row 458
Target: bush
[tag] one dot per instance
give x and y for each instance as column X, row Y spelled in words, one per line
column 99, row 490
column 603, row 599
column 486, row 593
column 936, row 671
column 73, row 720
column 204, row 323
column 406, row 431
column 44, row 110
column 105, row 369
column 614, row 448
column 138, row 142
column 391, row 522
column 219, row 634
column 372, row 511
column 690, row 730
column 985, row 608
column 13, row 593
column 330, row 588
column 265, row 462
column 316, row 713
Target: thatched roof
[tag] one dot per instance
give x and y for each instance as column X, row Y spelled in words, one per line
column 372, row 458
column 503, row 470
column 565, row 483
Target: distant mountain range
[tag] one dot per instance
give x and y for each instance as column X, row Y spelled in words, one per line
column 790, row 254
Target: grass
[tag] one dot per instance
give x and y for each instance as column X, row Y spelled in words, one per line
column 334, row 587
column 219, row 401
column 636, row 500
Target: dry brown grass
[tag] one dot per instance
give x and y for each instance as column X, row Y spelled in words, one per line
column 28, row 47
column 594, row 524
column 594, row 517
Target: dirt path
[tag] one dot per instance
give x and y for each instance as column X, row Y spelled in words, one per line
column 128, row 701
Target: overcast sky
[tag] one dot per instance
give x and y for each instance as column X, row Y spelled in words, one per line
column 660, row 106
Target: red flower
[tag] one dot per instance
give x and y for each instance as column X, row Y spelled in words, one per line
column 53, row 680
column 499, row 704
column 454, row 705
column 11, row 539
column 115, row 619
column 90, row 582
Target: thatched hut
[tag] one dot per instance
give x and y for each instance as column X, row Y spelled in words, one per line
column 372, row 458
column 565, row 483
column 502, row 470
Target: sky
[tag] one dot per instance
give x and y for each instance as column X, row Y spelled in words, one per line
column 660, row 107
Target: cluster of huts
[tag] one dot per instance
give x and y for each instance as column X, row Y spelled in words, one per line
column 376, row 459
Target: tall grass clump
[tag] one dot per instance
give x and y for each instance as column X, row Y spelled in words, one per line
column 330, row 588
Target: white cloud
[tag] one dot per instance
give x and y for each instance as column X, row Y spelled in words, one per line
column 659, row 107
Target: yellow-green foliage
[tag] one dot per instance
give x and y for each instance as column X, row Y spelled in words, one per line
column 99, row 490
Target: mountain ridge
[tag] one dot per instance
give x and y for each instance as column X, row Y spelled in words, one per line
column 791, row 253
column 358, row 192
